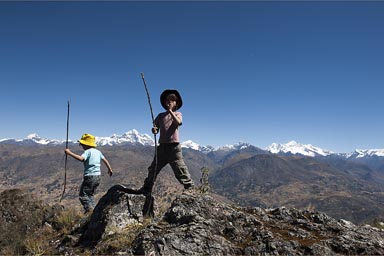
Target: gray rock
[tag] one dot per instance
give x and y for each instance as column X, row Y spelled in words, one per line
column 197, row 224
column 117, row 209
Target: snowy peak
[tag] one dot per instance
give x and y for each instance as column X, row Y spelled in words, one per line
column 361, row 153
column 192, row 145
column 293, row 147
column 32, row 138
column 132, row 137
column 37, row 139
column 207, row 149
column 237, row 146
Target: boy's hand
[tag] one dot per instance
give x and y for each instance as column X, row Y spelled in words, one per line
column 110, row 172
column 67, row 151
column 155, row 130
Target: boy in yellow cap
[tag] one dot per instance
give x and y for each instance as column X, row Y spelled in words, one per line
column 169, row 149
column 91, row 158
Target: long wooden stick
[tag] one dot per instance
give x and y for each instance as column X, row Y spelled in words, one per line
column 66, row 156
column 149, row 198
column 149, row 98
column 153, row 119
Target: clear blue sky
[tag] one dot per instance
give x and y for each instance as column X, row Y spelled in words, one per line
column 257, row 72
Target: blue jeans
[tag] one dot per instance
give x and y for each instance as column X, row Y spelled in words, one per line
column 87, row 191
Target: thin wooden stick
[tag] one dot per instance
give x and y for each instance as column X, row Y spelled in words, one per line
column 66, row 156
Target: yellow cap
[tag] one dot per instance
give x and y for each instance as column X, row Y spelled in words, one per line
column 88, row 140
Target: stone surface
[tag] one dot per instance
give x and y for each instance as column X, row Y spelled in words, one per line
column 118, row 208
column 199, row 225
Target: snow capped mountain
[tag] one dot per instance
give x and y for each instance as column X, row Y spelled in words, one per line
column 36, row 138
column 237, row 146
column 132, row 136
column 296, row 148
column 192, row 145
column 206, row 149
column 32, row 139
column 361, row 153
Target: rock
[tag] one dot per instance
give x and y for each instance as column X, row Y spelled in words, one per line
column 199, row 225
column 117, row 209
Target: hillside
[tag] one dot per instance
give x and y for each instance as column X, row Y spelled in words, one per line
column 40, row 169
column 302, row 182
column 192, row 224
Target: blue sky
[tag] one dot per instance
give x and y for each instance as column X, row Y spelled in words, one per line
column 253, row 71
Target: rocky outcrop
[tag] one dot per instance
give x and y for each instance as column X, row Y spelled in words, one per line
column 197, row 224
column 194, row 224
column 118, row 208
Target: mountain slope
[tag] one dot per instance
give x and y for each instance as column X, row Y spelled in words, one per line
column 41, row 169
column 272, row 181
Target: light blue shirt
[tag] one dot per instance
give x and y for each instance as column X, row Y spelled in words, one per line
column 92, row 159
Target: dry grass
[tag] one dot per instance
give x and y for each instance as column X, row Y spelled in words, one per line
column 120, row 240
column 34, row 246
column 67, row 219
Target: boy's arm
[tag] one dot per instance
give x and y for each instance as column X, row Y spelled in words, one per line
column 177, row 119
column 108, row 166
column 69, row 152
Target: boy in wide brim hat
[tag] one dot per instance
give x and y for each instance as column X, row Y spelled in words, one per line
column 169, row 149
column 91, row 158
column 175, row 95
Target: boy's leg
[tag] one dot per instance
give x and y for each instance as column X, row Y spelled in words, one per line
column 87, row 191
column 154, row 169
column 95, row 184
column 180, row 169
column 83, row 197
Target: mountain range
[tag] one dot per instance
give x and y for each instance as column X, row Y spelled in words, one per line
column 349, row 186
column 136, row 138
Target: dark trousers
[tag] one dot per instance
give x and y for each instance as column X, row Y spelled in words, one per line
column 87, row 191
column 168, row 153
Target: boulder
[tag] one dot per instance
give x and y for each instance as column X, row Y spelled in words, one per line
column 117, row 209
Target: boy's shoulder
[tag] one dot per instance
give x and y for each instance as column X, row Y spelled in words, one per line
column 93, row 150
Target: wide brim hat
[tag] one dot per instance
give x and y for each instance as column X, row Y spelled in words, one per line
column 164, row 95
column 88, row 140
